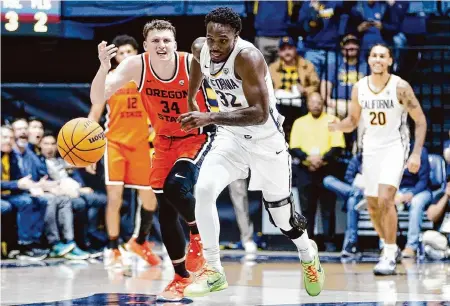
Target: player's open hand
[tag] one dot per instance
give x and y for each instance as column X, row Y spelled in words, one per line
column 413, row 163
column 105, row 54
column 194, row 120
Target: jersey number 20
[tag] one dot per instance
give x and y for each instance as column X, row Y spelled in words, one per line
column 378, row 118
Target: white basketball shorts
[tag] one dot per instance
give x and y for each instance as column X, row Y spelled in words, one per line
column 383, row 166
column 267, row 160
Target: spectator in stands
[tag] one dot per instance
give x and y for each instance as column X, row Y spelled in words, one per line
column 315, row 150
column 320, row 20
column 83, row 198
column 380, row 22
column 58, row 213
column 291, row 73
column 272, row 21
column 436, row 242
column 337, row 82
column 19, row 189
column 352, row 192
column 415, row 196
column 447, row 153
column 35, row 133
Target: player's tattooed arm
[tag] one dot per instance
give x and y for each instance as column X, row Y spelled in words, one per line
column 251, row 69
column 348, row 124
column 406, row 96
column 195, row 73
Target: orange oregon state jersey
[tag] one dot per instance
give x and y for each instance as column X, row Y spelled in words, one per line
column 166, row 100
column 126, row 119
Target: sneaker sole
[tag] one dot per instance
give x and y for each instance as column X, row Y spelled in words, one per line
column 220, row 288
column 384, row 273
column 29, row 258
column 65, row 251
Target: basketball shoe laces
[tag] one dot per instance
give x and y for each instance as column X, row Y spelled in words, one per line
column 311, row 274
column 207, row 271
column 174, row 286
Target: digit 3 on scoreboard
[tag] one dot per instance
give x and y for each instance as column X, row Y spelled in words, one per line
column 30, row 17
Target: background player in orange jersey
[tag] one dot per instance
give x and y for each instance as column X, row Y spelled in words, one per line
column 127, row 159
column 162, row 74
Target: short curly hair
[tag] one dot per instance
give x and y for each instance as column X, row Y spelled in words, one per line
column 225, row 15
column 160, row 25
column 123, row 40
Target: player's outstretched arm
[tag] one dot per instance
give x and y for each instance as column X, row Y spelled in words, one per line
column 195, row 73
column 251, row 68
column 349, row 124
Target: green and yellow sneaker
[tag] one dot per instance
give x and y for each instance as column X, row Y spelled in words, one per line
column 207, row 280
column 313, row 274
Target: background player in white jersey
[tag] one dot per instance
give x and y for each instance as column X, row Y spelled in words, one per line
column 249, row 138
column 384, row 100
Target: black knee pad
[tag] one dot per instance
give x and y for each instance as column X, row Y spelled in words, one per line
column 181, row 179
column 297, row 221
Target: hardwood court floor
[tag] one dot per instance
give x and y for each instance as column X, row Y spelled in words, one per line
column 273, row 279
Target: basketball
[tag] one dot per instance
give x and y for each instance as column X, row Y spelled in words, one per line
column 81, row 142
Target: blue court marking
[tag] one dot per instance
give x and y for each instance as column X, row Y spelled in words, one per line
column 113, row 299
column 143, row 299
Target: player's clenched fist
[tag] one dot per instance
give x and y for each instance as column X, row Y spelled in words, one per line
column 105, row 54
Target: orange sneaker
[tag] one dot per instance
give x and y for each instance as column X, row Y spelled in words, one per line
column 194, row 258
column 144, row 251
column 175, row 290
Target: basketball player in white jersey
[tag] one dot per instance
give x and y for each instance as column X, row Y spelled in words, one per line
column 249, row 138
column 384, row 101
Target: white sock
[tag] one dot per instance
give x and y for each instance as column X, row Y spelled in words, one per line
column 305, row 250
column 281, row 216
column 212, row 256
column 390, row 250
column 382, row 243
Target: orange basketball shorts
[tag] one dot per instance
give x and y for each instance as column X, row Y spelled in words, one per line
column 170, row 150
column 127, row 166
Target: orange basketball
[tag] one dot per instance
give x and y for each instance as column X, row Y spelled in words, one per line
column 81, row 142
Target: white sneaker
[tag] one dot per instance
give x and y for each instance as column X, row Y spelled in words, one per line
column 250, row 248
column 386, row 266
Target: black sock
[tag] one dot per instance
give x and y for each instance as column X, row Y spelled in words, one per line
column 180, row 269
column 113, row 243
column 193, row 228
column 146, row 225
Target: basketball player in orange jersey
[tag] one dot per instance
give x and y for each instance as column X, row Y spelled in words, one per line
column 162, row 74
column 127, row 160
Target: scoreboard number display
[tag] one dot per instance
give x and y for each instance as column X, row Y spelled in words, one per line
column 30, row 17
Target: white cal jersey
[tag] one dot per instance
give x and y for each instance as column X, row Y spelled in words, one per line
column 383, row 115
column 230, row 94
